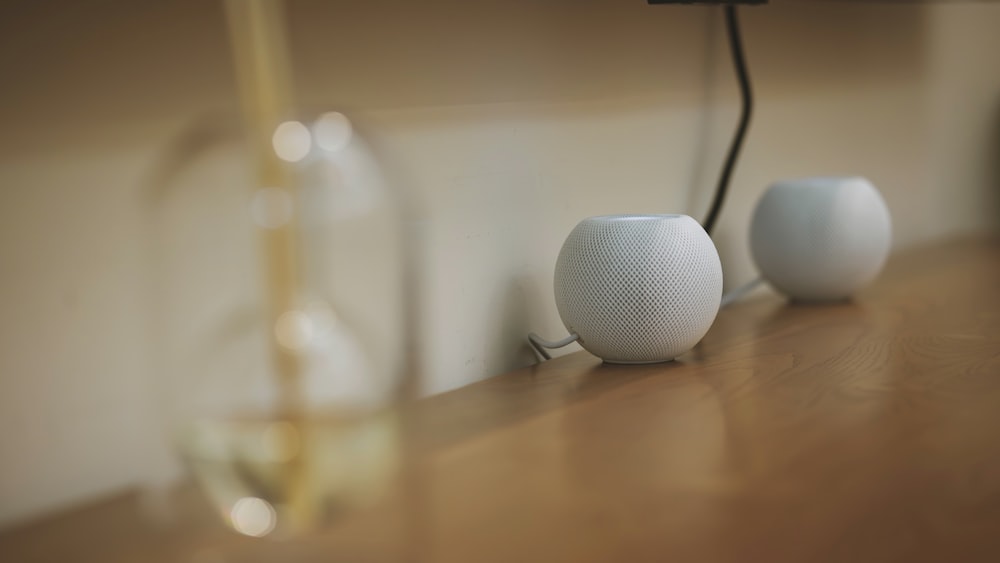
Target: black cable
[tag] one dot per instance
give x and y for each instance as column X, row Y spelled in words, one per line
column 740, row 65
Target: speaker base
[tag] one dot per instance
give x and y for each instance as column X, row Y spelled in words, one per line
column 635, row 362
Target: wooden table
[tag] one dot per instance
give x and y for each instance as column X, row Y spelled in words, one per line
column 867, row 431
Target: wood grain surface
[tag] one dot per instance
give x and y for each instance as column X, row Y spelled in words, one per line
column 861, row 431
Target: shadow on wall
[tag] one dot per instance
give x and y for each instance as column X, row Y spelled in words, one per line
column 451, row 52
column 113, row 76
column 993, row 174
column 807, row 48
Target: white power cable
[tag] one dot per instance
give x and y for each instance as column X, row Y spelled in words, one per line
column 539, row 344
column 740, row 292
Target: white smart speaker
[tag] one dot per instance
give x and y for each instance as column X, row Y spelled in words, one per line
column 820, row 239
column 638, row 288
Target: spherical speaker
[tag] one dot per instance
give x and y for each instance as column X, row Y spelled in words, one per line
column 820, row 239
column 638, row 288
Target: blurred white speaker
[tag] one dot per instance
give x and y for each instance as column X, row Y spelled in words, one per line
column 820, row 239
column 638, row 288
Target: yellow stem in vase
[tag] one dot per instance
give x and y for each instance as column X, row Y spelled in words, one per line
column 263, row 80
column 260, row 50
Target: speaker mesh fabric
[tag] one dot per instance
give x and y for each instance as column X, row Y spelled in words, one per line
column 638, row 288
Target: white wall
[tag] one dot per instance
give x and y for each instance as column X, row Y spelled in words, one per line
column 510, row 120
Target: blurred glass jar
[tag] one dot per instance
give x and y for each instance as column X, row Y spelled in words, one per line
column 281, row 322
